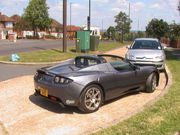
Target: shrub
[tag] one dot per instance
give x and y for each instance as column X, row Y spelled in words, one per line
column 50, row 37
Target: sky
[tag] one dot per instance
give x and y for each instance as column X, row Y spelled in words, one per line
column 103, row 11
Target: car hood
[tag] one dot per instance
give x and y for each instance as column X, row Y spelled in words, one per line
column 145, row 54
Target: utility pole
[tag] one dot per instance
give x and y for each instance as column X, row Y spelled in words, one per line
column 89, row 17
column 64, row 25
column 70, row 13
column 102, row 25
column 129, row 15
column 129, row 10
column 179, row 7
column 138, row 24
column 70, row 17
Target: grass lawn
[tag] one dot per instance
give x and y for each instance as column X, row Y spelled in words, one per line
column 162, row 118
column 57, row 55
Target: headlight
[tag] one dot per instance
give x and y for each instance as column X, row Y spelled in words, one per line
column 160, row 57
column 130, row 57
column 62, row 80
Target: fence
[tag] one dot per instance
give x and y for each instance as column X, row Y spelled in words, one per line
column 171, row 43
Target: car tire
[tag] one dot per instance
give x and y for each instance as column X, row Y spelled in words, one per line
column 151, row 83
column 91, row 99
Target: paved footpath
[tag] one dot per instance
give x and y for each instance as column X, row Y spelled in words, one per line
column 24, row 114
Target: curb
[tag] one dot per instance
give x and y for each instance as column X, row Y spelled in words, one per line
column 129, row 115
column 32, row 64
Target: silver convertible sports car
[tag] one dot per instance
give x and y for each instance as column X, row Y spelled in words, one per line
column 88, row 81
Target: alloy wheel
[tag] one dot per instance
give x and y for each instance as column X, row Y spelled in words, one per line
column 92, row 98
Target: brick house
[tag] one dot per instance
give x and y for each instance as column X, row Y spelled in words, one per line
column 71, row 31
column 6, row 26
column 55, row 29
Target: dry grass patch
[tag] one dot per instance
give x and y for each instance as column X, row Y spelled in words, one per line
column 156, row 120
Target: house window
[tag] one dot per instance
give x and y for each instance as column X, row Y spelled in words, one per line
column 9, row 25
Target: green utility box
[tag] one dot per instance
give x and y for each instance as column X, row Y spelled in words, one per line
column 78, row 45
column 84, row 37
column 94, row 43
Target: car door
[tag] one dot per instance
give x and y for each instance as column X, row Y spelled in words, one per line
column 125, row 79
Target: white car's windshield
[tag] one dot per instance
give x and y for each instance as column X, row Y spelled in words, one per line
column 146, row 44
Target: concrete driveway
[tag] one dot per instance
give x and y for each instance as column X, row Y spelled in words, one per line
column 24, row 114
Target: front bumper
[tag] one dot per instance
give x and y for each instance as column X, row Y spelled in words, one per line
column 63, row 94
column 158, row 65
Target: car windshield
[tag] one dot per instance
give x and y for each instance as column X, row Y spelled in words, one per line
column 117, row 63
column 146, row 44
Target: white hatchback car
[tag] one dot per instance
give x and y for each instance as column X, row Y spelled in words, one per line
column 147, row 51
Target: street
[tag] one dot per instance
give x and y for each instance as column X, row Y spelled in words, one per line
column 6, row 47
column 9, row 47
column 12, row 71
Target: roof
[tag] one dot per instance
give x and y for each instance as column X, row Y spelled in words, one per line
column 16, row 18
column 152, row 39
column 4, row 18
column 55, row 23
column 73, row 28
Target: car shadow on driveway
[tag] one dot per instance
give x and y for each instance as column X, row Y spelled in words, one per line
column 52, row 107
column 56, row 108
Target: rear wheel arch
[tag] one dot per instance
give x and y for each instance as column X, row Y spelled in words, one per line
column 98, row 84
column 94, row 100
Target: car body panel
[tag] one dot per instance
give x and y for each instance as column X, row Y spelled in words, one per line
column 155, row 57
column 113, row 82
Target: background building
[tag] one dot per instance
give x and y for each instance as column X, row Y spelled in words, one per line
column 6, row 26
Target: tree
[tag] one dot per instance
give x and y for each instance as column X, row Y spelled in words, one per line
column 123, row 23
column 105, row 35
column 111, row 32
column 37, row 15
column 157, row 28
column 21, row 25
column 141, row 34
column 174, row 31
